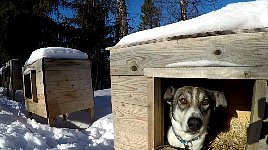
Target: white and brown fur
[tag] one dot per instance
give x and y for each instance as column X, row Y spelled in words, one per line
column 190, row 109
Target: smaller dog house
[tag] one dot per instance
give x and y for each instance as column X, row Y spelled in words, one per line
column 12, row 77
column 58, row 84
column 143, row 65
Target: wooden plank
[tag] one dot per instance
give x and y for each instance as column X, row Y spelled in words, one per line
column 129, row 89
column 61, row 94
column 131, row 126
column 59, row 75
column 209, row 72
column 243, row 48
column 66, row 64
column 40, row 83
column 56, row 109
column 62, row 86
column 69, row 97
column 36, row 108
column 123, row 110
column 155, row 114
column 259, row 100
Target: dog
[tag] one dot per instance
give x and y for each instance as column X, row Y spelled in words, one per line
column 190, row 109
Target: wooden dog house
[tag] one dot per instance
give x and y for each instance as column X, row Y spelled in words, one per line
column 139, row 76
column 12, row 77
column 55, row 87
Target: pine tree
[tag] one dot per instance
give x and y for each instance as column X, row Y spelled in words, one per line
column 150, row 15
column 121, row 19
column 177, row 10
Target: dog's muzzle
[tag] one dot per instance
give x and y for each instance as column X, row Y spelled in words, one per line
column 194, row 124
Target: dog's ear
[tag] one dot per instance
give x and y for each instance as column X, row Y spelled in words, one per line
column 219, row 98
column 169, row 94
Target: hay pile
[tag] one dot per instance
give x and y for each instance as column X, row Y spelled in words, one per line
column 235, row 138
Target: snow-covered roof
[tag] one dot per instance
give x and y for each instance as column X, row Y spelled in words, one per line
column 236, row 16
column 55, row 52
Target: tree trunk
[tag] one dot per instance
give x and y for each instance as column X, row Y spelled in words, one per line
column 121, row 19
column 183, row 5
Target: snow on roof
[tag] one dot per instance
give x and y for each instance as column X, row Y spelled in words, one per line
column 236, row 16
column 55, row 52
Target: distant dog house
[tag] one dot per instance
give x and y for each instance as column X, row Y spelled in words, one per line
column 2, row 72
column 55, row 87
column 12, row 76
column 140, row 72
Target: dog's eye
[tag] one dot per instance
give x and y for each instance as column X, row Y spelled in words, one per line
column 183, row 101
column 205, row 102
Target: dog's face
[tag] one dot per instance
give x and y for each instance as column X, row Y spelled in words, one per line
column 191, row 107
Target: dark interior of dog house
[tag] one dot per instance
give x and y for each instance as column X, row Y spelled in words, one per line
column 28, row 86
column 238, row 94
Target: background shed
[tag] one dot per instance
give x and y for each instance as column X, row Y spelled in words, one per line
column 54, row 87
column 12, row 77
column 139, row 76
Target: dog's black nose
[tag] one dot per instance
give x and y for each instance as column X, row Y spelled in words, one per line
column 194, row 124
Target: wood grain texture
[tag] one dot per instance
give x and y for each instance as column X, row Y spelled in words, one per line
column 129, row 89
column 130, row 125
column 209, row 72
column 124, row 110
column 130, row 134
column 243, row 48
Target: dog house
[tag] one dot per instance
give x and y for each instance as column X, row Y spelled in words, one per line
column 55, row 87
column 141, row 71
column 12, row 77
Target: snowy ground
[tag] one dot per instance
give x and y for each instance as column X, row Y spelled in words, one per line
column 19, row 132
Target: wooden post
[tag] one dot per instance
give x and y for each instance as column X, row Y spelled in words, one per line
column 34, row 90
column 155, row 113
column 14, row 95
column 257, row 141
column 51, row 121
column 91, row 115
